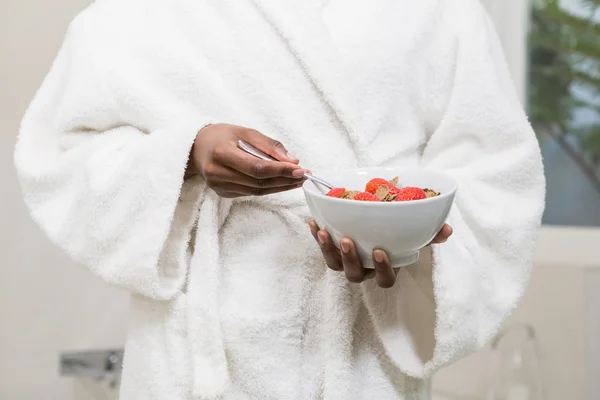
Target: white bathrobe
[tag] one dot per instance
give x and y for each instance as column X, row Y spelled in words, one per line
column 232, row 299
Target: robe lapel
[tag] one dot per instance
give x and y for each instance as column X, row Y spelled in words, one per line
column 301, row 26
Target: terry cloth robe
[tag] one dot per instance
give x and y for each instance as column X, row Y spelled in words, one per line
column 231, row 299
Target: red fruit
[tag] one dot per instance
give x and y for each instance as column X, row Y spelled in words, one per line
column 410, row 193
column 366, row 196
column 374, row 184
column 336, row 192
column 394, row 190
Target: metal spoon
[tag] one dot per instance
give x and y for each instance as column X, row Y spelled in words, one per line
column 248, row 148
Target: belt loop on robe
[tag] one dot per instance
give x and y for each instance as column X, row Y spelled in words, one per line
column 210, row 373
column 341, row 308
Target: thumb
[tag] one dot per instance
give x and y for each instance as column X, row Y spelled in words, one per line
column 272, row 147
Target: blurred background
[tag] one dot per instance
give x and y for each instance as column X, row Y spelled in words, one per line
column 53, row 314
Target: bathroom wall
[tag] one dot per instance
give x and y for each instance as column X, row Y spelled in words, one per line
column 562, row 303
column 46, row 303
column 511, row 18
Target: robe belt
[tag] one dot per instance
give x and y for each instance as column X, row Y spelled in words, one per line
column 210, row 373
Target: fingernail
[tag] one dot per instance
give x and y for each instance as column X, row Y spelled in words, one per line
column 345, row 246
column 379, row 256
column 298, row 173
column 291, row 157
column 322, row 237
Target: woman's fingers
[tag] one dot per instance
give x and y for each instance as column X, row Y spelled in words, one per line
column 230, row 183
column 443, row 234
column 243, row 162
column 385, row 275
column 347, row 259
column 231, row 190
column 272, row 147
column 353, row 267
column 330, row 252
column 228, row 175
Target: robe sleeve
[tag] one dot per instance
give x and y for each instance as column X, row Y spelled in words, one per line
column 455, row 298
column 105, row 189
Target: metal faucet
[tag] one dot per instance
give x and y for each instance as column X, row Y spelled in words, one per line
column 100, row 366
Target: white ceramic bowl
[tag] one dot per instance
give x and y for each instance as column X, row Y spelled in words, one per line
column 399, row 228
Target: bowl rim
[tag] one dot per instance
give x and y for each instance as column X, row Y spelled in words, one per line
column 441, row 197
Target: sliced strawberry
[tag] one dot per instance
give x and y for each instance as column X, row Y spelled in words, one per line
column 410, row 193
column 366, row 196
column 394, row 191
column 374, row 184
column 336, row 192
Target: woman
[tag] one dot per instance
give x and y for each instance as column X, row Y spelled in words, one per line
column 128, row 162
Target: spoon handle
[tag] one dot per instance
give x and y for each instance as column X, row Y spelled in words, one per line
column 248, row 148
column 318, row 181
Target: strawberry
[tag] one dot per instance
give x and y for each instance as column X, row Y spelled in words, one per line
column 410, row 193
column 394, row 191
column 336, row 192
column 366, row 196
column 374, row 184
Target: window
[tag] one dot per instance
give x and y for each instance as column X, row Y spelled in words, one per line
column 564, row 105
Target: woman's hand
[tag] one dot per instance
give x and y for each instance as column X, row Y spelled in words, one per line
column 348, row 261
column 231, row 172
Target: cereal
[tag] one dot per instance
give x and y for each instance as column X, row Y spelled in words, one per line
column 382, row 192
column 431, row 193
column 350, row 194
